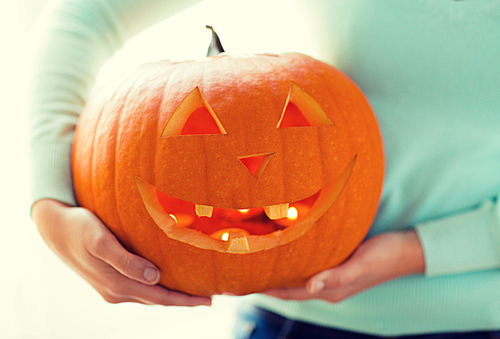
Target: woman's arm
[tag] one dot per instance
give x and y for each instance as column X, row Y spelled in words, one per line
column 86, row 245
column 382, row 258
column 71, row 42
column 463, row 242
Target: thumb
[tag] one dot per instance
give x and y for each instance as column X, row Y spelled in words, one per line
column 109, row 250
column 333, row 278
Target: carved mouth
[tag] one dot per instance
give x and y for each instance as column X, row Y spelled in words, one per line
column 243, row 230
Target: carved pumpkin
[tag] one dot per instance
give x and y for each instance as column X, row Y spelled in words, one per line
column 197, row 165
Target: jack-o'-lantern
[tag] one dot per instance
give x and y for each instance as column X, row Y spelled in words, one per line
column 233, row 174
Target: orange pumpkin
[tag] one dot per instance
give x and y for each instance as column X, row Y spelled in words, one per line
column 197, row 165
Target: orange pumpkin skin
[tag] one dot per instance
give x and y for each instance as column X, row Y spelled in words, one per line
column 122, row 144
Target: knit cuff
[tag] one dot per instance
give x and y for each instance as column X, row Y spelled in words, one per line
column 462, row 243
column 50, row 162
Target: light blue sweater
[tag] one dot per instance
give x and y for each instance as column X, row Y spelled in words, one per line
column 431, row 70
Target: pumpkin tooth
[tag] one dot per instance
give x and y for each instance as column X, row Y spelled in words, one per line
column 274, row 212
column 203, row 210
column 238, row 243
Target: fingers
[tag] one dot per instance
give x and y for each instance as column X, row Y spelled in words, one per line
column 125, row 290
column 334, row 278
column 333, row 285
column 106, row 247
column 297, row 293
column 133, row 278
column 382, row 258
column 89, row 248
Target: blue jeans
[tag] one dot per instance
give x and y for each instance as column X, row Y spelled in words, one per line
column 256, row 323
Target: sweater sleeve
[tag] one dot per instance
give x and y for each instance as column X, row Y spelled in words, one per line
column 69, row 44
column 461, row 243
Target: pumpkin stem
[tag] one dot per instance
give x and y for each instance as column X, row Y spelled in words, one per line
column 215, row 47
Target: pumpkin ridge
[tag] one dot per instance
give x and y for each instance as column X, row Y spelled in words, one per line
column 161, row 108
column 205, row 85
column 274, row 264
column 89, row 196
column 167, row 107
column 122, row 114
column 272, row 64
column 219, row 281
column 290, row 80
column 109, row 150
column 235, row 93
column 320, row 141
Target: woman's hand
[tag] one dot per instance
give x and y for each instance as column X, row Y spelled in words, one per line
column 382, row 258
column 83, row 242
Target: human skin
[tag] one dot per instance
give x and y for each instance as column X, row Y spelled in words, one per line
column 85, row 244
column 382, row 258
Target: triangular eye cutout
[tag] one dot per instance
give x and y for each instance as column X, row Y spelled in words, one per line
column 256, row 163
column 200, row 122
column 292, row 117
column 193, row 116
column 302, row 110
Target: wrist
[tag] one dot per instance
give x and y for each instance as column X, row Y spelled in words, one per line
column 412, row 254
column 47, row 215
column 44, row 206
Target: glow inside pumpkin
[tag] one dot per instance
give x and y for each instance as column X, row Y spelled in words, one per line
column 245, row 225
column 259, row 224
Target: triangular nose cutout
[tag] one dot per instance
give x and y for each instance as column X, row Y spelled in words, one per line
column 256, row 163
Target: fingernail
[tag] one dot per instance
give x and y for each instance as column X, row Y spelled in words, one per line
column 151, row 274
column 316, row 286
column 207, row 302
